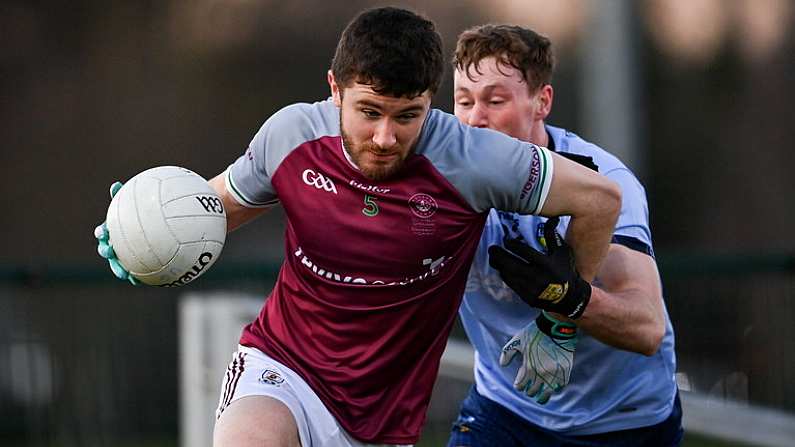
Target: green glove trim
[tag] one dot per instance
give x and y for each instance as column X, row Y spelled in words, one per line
column 554, row 328
column 106, row 250
column 114, row 188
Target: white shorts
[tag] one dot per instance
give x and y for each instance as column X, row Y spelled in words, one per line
column 253, row 373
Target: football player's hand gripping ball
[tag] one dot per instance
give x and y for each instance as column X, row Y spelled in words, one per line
column 546, row 349
column 105, row 249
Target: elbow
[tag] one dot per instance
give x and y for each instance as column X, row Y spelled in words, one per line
column 604, row 200
column 611, row 198
column 653, row 340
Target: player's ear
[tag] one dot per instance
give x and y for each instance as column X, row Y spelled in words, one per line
column 335, row 89
column 545, row 96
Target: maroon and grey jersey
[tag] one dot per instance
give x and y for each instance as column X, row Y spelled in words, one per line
column 374, row 271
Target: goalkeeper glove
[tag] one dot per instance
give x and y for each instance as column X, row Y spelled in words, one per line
column 547, row 352
column 547, row 281
column 105, row 249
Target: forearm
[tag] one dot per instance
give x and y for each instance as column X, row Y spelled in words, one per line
column 589, row 236
column 626, row 308
column 625, row 320
column 593, row 202
column 236, row 214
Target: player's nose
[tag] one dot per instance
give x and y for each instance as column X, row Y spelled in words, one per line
column 384, row 134
column 478, row 116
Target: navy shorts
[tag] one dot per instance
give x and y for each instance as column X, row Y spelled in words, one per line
column 484, row 423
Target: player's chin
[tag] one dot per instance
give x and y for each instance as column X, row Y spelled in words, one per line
column 381, row 170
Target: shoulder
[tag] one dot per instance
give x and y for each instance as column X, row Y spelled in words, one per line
column 446, row 141
column 632, row 223
column 568, row 141
column 293, row 126
column 488, row 168
column 319, row 118
column 609, row 165
column 288, row 129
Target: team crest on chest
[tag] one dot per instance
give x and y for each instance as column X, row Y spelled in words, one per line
column 422, row 207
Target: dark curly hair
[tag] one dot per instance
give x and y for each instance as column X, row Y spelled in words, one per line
column 396, row 51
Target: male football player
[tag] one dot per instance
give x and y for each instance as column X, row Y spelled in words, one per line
column 621, row 389
column 385, row 201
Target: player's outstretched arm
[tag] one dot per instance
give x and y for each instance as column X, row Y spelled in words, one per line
column 593, row 202
column 236, row 214
column 626, row 310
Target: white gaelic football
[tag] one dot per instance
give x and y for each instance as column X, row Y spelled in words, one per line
column 167, row 226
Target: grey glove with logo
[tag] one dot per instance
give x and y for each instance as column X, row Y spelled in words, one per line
column 546, row 347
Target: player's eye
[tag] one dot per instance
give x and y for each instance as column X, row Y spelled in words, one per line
column 497, row 102
column 406, row 117
column 463, row 103
column 370, row 114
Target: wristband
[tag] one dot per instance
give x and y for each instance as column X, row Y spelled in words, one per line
column 555, row 328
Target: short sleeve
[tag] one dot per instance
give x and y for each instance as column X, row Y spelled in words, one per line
column 633, row 222
column 248, row 179
column 513, row 175
column 489, row 169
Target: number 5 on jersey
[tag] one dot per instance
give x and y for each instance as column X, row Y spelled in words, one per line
column 371, row 207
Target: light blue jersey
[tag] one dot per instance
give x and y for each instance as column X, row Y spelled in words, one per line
column 610, row 389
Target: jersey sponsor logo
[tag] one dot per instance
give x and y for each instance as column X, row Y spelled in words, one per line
column 271, row 377
column 369, row 188
column 197, row 268
column 435, row 264
column 423, row 205
column 318, row 180
column 325, row 273
column 535, row 170
column 434, row 268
